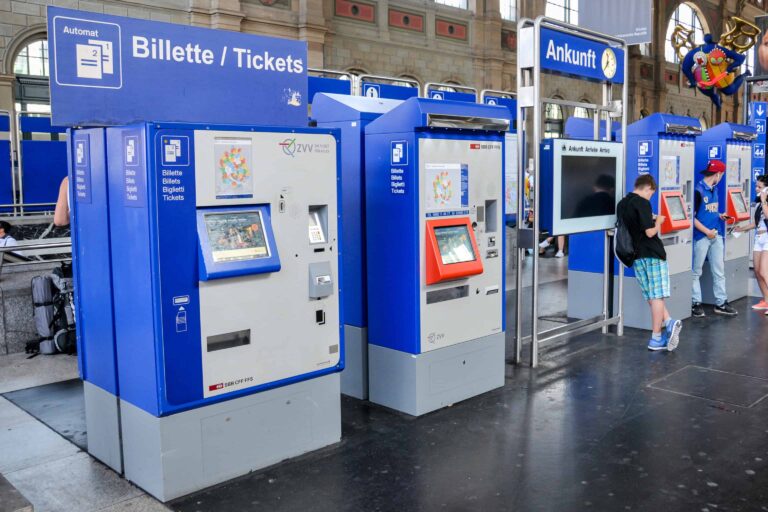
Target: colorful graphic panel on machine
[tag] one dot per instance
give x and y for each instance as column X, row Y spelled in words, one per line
column 451, row 250
column 673, row 207
column 236, row 242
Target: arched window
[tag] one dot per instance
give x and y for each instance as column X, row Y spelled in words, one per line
column 563, row 10
column 447, row 87
column 750, row 56
column 686, row 16
column 461, row 4
column 644, row 113
column 508, row 9
column 408, row 81
column 553, row 121
column 582, row 112
column 704, row 123
column 32, row 60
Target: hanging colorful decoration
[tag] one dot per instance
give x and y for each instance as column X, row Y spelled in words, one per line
column 712, row 67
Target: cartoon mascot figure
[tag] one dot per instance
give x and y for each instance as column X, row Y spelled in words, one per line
column 711, row 67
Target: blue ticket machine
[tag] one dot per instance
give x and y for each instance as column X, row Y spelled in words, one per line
column 351, row 114
column 92, row 261
column 225, row 270
column 434, row 180
column 734, row 144
column 663, row 146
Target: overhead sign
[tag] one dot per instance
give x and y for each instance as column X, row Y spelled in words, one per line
column 109, row 70
column 389, row 91
column 758, row 114
column 573, row 55
column 630, row 20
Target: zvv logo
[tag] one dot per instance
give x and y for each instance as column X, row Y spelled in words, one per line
column 86, row 53
column 289, row 146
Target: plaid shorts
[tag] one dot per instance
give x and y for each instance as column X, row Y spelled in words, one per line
column 653, row 277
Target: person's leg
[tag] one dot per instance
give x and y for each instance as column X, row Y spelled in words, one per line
column 560, row 246
column 761, row 272
column 716, row 257
column 700, row 248
column 658, row 316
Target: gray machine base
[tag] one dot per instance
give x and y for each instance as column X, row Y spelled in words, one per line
column 737, row 276
column 102, row 423
column 354, row 378
column 585, row 292
column 175, row 455
column 418, row 384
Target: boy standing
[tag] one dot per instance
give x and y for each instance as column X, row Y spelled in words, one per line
column 709, row 228
column 650, row 266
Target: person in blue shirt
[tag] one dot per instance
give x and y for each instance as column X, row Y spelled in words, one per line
column 709, row 228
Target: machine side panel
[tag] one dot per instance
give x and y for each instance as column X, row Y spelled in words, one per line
column 392, row 241
column 131, row 249
column 171, row 184
column 92, row 258
column 353, row 227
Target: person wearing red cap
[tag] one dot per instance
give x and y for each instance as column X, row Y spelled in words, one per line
column 709, row 229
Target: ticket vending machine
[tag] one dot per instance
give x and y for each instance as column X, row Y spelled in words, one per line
column 733, row 144
column 663, row 146
column 97, row 361
column 435, row 247
column 351, row 114
column 227, row 288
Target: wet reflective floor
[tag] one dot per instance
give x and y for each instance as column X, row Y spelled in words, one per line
column 602, row 424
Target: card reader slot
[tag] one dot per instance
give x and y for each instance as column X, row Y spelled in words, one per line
column 456, row 292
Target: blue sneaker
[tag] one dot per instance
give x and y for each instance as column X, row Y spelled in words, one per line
column 672, row 332
column 660, row 344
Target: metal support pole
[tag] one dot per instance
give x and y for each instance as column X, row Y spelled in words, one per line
column 537, row 121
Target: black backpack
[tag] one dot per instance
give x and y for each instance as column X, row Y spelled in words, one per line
column 54, row 313
column 623, row 246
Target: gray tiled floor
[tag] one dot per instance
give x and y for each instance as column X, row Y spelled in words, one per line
column 18, row 372
column 56, row 476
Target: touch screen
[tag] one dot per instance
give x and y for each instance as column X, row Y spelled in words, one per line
column 455, row 244
column 588, row 186
column 676, row 208
column 236, row 236
column 738, row 202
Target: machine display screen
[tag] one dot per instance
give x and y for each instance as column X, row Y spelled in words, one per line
column 236, row 236
column 738, row 202
column 455, row 244
column 588, row 186
column 676, row 208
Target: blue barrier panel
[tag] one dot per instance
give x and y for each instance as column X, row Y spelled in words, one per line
column 330, row 85
column 388, row 91
column 436, row 94
column 44, row 165
column 6, row 188
column 39, row 124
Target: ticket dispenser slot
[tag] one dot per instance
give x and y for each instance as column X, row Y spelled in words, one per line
column 674, row 208
column 452, row 251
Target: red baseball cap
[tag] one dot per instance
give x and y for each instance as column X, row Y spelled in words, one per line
column 714, row 167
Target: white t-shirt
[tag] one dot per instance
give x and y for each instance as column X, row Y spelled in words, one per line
column 8, row 241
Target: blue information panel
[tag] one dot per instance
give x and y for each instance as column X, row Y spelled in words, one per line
column 389, row 91
column 453, row 96
column 573, row 55
column 109, row 70
column 758, row 112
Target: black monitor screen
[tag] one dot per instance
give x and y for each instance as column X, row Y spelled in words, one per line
column 588, row 186
column 676, row 208
column 236, row 236
column 739, row 203
column 454, row 244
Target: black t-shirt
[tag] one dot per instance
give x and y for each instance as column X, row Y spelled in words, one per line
column 637, row 216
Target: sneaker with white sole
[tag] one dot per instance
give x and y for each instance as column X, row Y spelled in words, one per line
column 544, row 244
column 673, row 329
column 725, row 309
column 559, row 254
column 660, row 344
column 761, row 305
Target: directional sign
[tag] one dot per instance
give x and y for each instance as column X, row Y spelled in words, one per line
column 108, row 70
column 573, row 55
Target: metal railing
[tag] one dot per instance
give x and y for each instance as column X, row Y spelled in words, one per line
column 20, row 251
column 447, row 88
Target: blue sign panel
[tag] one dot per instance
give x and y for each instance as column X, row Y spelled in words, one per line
column 758, row 111
column 500, row 101
column 330, row 85
column 388, row 91
column 82, row 168
column 108, row 70
column 715, row 152
column 453, row 96
column 573, row 55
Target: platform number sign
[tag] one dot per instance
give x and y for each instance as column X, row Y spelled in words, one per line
column 759, row 151
column 760, row 126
